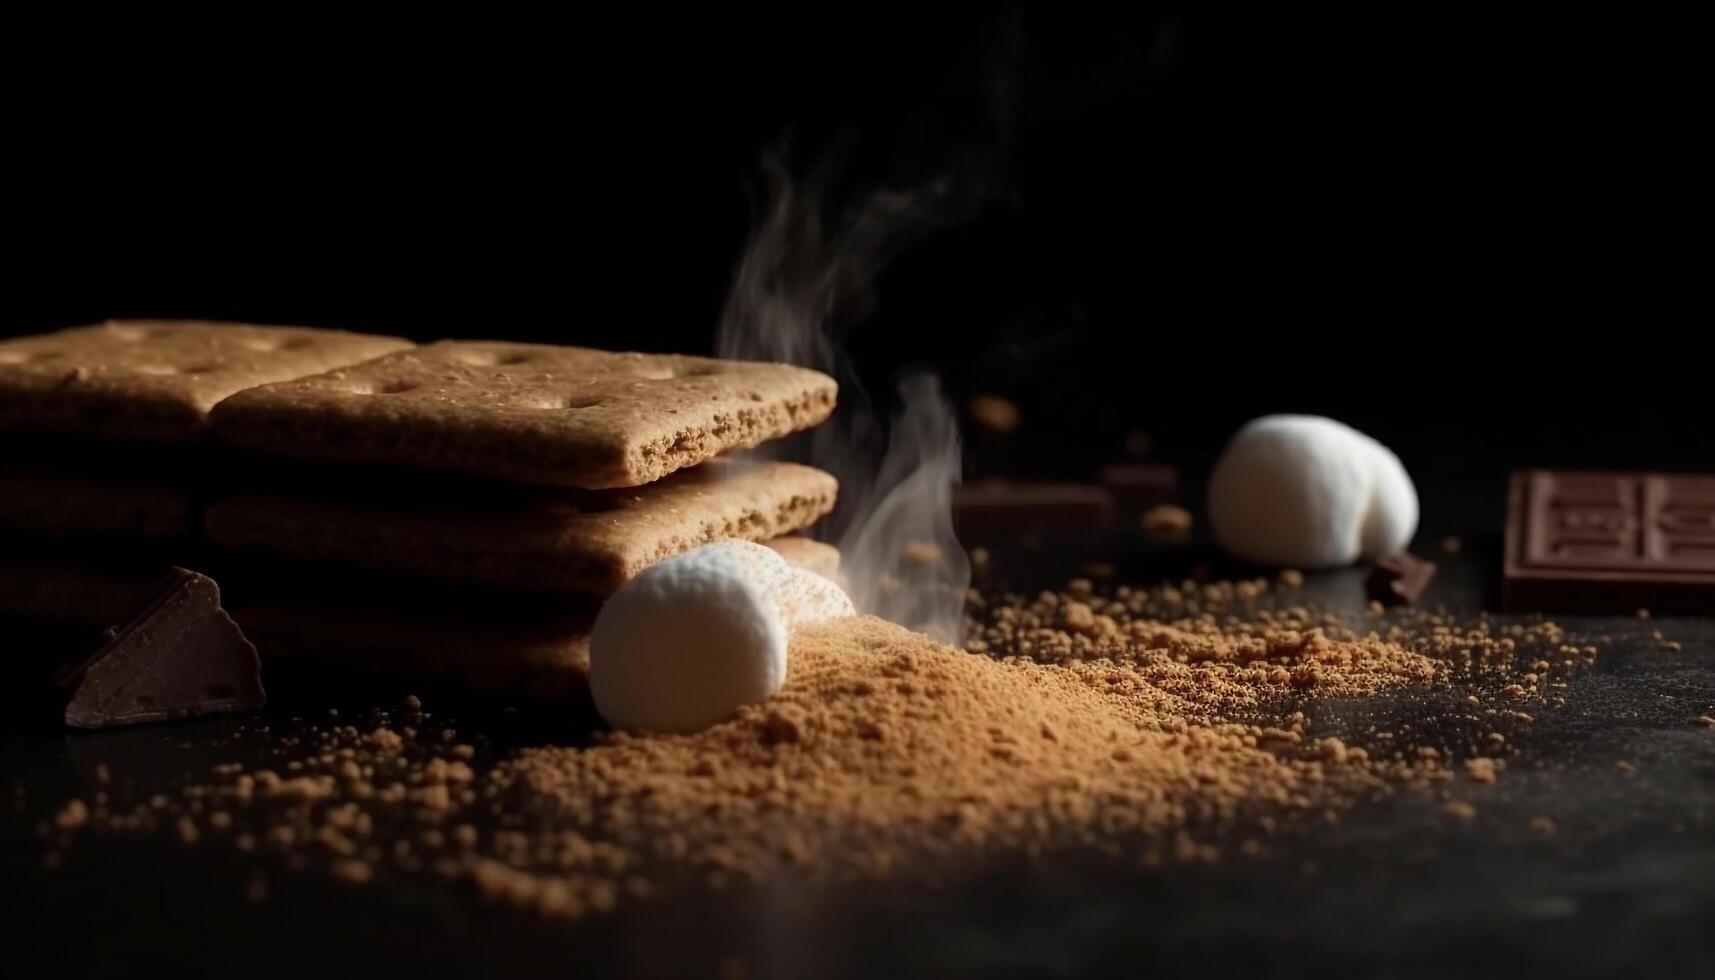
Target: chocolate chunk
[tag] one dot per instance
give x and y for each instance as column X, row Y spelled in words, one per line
column 1610, row 542
column 1399, row 579
column 182, row 655
column 1000, row 509
column 1140, row 486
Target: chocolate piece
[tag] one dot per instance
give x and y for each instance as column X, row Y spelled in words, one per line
column 1610, row 542
column 1001, row 509
column 1399, row 579
column 1140, row 486
column 182, row 655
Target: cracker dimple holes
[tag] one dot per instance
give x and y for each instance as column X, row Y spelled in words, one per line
column 127, row 332
column 394, row 387
column 488, row 358
column 555, row 402
column 658, row 371
column 663, row 372
column 295, row 343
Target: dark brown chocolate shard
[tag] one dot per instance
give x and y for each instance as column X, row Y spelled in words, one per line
column 1610, row 542
column 996, row 509
column 1399, row 579
column 181, row 656
column 1142, row 485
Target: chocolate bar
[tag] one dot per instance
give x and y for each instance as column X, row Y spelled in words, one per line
column 1000, row 509
column 1399, row 579
column 182, row 655
column 1610, row 542
column 1140, row 486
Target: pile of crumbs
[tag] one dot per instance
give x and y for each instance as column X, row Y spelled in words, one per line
column 1181, row 723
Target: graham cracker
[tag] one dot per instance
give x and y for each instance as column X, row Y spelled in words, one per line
column 38, row 500
column 156, row 380
column 533, row 413
column 520, row 537
column 76, row 591
column 536, row 657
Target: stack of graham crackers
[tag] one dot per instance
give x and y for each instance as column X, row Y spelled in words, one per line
column 454, row 510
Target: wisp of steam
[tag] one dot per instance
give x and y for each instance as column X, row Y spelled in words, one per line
column 804, row 277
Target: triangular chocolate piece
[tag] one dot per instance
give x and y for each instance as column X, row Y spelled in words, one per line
column 1399, row 579
column 182, row 655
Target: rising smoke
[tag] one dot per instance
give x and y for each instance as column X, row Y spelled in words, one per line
column 806, row 276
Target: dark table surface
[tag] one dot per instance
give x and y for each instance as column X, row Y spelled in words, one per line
column 1626, row 885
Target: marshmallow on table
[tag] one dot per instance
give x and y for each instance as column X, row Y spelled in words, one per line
column 691, row 639
column 1309, row 492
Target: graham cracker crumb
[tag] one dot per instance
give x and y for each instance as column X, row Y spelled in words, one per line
column 994, row 413
column 72, row 816
column 1145, row 725
column 1459, row 810
column 1166, row 522
column 351, row 870
column 921, row 553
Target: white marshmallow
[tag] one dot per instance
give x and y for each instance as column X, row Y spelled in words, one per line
column 692, row 638
column 1309, row 492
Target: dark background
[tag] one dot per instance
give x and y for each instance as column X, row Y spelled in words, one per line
column 1485, row 239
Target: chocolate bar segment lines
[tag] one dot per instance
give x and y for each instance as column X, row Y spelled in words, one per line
column 1602, row 522
column 1604, row 542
